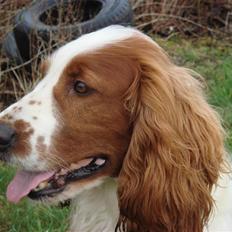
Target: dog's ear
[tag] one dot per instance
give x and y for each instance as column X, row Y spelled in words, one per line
column 176, row 149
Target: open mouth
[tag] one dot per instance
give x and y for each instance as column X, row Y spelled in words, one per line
column 38, row 185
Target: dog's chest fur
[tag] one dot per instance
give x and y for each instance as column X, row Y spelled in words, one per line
column 96, row 209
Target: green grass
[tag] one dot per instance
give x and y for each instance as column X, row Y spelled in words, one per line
column 26, row 216
column 212, row 59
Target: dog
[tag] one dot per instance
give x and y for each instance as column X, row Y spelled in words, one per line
column 124, row 133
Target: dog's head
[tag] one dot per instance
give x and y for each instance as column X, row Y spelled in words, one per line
column 111, row 104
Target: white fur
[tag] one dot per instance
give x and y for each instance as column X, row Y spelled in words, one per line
column 96, row 209
column 221, row 218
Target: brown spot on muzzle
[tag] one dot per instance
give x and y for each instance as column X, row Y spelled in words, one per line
column 24, row 131
column 17, row 109
column 32, row 102
column 7, row 117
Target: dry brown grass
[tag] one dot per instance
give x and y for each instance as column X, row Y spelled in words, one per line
column 16, row 80
column 10, row 80
column 165, row 17
column 186, row 17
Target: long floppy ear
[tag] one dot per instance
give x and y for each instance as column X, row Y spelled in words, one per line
column 176, row 150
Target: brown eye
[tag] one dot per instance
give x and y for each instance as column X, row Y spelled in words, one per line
column 81, row 88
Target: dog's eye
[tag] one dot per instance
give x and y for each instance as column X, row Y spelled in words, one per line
column 81, row 88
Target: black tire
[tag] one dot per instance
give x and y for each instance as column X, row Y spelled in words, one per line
column 11, row 48
column 112, row 12
column 29, row 22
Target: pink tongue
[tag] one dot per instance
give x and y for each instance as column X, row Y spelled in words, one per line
column 23, row 183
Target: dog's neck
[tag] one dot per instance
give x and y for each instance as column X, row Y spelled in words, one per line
column 96, row 209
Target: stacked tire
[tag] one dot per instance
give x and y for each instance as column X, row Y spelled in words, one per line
column 29, row 22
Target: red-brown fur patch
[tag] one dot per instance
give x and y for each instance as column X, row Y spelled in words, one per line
column 24, row 131
column 97, row 124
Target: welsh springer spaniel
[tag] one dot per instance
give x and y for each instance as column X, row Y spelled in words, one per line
column 123, row 132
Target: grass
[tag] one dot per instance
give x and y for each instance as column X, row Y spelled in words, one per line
column 211, row 58
column 26, row 216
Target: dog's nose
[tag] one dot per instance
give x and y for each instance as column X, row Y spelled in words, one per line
column 7, row 137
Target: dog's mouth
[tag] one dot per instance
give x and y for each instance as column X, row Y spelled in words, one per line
column 38, row 185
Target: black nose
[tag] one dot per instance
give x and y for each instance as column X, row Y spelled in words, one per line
column 7, row 137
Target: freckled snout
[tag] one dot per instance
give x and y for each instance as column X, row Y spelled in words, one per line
column 7, row 137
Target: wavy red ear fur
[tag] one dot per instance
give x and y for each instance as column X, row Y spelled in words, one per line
column 176, row 151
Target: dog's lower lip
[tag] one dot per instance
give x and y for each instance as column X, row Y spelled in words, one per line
column 44, row 193
column 57, row 183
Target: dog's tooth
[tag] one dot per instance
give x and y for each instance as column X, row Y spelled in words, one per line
column 81, row 163
column 37, row 188
column 74, row 166
column 62, row 171
column 43, row 185
column 100, row 161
